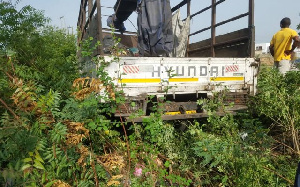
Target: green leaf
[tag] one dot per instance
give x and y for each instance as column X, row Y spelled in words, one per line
column 38, row 165
column 38, row 157
column 30, row 153
column 133, row 104
column 49, row 184
column 132, row 154
column 43, row 177
column 113, row 110
column 17, row 166
column 167, row 164
column 25, row 167
column 27, row 160
column 92, row 125
column 118, row 100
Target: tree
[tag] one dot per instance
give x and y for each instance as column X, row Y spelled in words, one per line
column 18, row 25
column 33, row 50
column 35, row 59
column 52, row 56
column 278, row 99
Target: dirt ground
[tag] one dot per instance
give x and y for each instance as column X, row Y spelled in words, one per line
column 266, row 59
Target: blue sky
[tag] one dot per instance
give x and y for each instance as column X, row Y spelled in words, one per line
column 268, row 13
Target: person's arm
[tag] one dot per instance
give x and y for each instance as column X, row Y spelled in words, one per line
column 296, row 38
column 271, row 47
column 296, row 43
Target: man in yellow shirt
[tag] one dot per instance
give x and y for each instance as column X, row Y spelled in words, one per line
column 280, row 45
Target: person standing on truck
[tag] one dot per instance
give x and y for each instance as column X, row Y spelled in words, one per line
column 280, row 46
column 155, row 35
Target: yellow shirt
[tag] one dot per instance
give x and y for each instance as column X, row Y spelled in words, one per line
column 282, row 41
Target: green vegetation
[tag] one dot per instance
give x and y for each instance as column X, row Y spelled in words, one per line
column 34, row 50
column 54, row 131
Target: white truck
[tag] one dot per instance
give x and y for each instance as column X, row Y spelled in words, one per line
column 217, row 63
column 182, row 81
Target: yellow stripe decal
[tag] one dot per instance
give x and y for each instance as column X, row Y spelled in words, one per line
column 139, row 80
column 177, row 112
column 179, row 80
column 226, row 78
column 183, row 79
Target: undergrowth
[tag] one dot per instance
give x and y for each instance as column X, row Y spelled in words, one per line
column 52, row 139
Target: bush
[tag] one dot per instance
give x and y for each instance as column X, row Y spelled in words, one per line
column 279, row 100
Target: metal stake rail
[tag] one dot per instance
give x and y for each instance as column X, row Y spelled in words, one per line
column 90, row 9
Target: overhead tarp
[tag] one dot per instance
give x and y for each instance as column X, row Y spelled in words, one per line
column 155, row 35
column 181, row 30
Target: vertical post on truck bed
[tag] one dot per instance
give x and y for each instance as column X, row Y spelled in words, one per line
column 90, row 7
column 188, row 8
column 99, row 28
column 81, row 20
column 188, row 14
column 213, row 28
column 251, row 28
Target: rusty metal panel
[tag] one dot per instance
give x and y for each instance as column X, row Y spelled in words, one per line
column 237, row 98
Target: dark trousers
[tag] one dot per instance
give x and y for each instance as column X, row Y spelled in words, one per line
column 297, row 177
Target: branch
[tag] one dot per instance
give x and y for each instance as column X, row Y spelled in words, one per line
column 9, row 109
column 285, row 145
column 92, row 162
column 9, row 76
column 12, row 65
column 128, row 151
column 279, row 175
